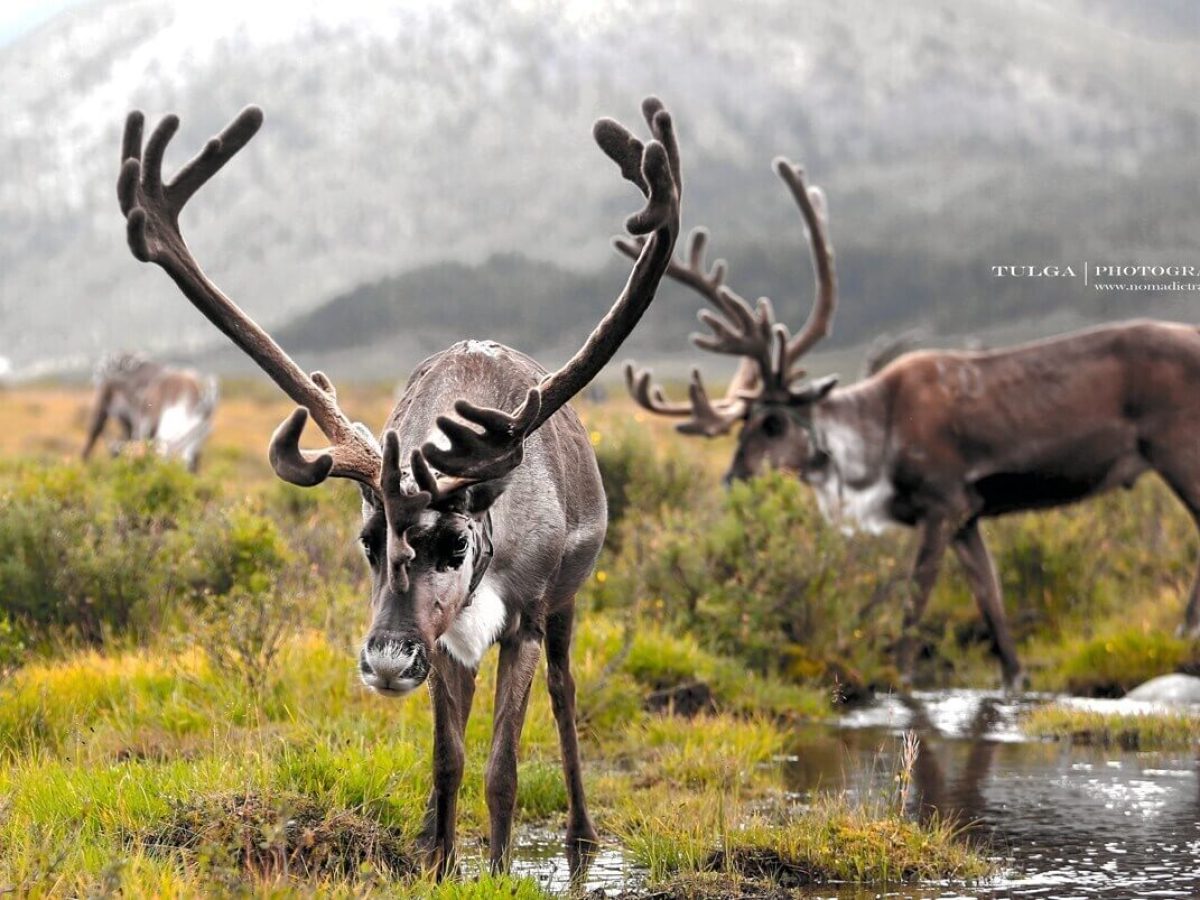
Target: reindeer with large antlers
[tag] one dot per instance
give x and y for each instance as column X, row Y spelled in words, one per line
column 938, row 440
column 479, row 527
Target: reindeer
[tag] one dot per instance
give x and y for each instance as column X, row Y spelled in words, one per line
column 478, row 527
column 939, row 440
column 172, row 409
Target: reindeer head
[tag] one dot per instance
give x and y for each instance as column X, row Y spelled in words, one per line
column 768, row 394
column 428, row 538
column 781, row 434
column 426, row 531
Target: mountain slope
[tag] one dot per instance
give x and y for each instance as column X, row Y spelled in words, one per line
column 412, row 134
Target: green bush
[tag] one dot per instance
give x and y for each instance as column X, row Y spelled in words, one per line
column 754, row 572
column 1109, row 666
column 636, row 479
column 123, row 548
column 87, row 551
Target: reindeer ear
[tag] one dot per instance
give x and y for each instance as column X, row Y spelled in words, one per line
column 814, row 391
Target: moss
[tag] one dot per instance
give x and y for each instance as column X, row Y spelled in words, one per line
column 1112, row 664
column 689, row 840
column 1130, row 731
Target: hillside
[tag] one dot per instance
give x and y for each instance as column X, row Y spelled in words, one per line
column 431, row 165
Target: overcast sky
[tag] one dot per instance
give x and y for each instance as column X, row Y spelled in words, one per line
column 19, row 16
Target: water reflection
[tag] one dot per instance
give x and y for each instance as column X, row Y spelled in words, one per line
column 1067, row 821
column 1075, row 821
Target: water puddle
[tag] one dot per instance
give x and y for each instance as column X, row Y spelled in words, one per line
column 539, row 855
column 1065, row 821
column 1069, row 821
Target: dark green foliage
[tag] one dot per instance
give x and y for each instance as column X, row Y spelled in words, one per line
column 755, row 573
column 88, row 551
column 636, row 479
column 1110, row 666
column 124, row 548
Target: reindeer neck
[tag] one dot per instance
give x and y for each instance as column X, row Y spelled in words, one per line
column 855, row 426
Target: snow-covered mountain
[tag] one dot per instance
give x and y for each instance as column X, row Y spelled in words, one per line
column 403, row 134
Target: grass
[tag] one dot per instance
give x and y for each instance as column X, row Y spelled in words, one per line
column 111, row 752
column 685, row 841
column 1128, row 730
column 148, row 773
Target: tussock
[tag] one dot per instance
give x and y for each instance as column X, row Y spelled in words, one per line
column 281, row 834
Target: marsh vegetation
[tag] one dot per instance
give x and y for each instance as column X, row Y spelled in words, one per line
column 180, row 712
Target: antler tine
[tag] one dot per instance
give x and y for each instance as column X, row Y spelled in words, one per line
column 649, row 395
column 820, row 319
column 400, row 508
column 653, row 168
column 709, row 419
column 746, row 332
column 703, row 416
column 708, row 283
column 474, row 456
column 152, row 208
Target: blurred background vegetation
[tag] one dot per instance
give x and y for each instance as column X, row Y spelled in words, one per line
column 132, row 549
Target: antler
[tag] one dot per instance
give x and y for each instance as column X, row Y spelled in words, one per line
column 768, row 351
column 705, row 417
column 151, row 209
column 152, row 212
column 654, row 169
column 814, row 209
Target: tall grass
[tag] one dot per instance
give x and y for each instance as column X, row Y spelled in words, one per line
column 170, row 643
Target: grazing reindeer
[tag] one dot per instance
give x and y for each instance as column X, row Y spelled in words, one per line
column 170, row 408
column 938, row 440
column 478, row 528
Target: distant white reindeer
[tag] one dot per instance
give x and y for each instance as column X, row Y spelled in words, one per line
column 170, row 409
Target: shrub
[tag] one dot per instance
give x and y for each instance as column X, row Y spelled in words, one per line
column 129, row 547
column 1111, row 665
column 755, row 573
column 86, row 552
column 636, row 478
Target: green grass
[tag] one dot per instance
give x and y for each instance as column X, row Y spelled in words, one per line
column 153, row 773
column 684, row 840
column 139, row 603
column 1131, row 731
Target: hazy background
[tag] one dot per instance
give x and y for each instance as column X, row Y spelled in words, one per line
column 426, row 170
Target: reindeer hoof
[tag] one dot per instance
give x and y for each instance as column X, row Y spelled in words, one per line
column 582, row 847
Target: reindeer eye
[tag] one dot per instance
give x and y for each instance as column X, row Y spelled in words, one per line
column 819, row 459
column 453, row 551
column 368, row 548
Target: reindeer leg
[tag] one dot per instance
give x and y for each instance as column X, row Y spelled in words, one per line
column 931, row 548
column 519, row 656
column 451, row 688
column 582, row 839
column 977, row 564
column 1188, row 492
column 98, row 418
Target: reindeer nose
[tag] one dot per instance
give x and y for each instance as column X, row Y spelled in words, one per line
column 392, row 665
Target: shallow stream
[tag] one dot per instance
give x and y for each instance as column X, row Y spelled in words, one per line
column 1065, row 820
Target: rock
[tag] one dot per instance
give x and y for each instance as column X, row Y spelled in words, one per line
column 1174, row 690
